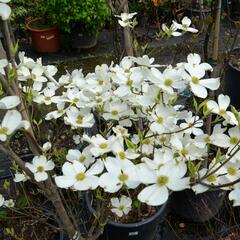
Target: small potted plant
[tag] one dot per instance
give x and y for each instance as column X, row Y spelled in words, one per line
column 81, row 19
column 44, row 31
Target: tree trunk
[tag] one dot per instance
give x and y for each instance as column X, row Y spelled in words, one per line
column 127, row 34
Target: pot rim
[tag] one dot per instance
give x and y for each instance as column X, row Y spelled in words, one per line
column 128, row 225
column 228, row 230
column 27, row 24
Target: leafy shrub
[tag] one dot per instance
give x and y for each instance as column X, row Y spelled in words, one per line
column 90, row 14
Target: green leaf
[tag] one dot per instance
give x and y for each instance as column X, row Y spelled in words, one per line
column 195, row 104
column 140, row 136
column 206, row 111
column 191, row 168
column 11, row 74
column 218, row 155
column 3, row 214
column 6, row 185
column 137, row 203
column 130, row 145
column 22, row 202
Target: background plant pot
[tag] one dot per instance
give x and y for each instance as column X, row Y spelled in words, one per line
column 232, row 84
column 83, row 40
column 5, row 164
column 44, row 40
column 144, row 230
column 235, row 10
column 231, row 233
column 197, row 207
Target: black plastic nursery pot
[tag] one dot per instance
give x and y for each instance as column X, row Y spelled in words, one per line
column 84, row 40
column 5, row 164
column 144, row 230
column 197, row 207
column 231, row 233
column 232, row 84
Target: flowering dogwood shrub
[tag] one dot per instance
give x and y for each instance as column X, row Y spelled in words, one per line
column 132, row 133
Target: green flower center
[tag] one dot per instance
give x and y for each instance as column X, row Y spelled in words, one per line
column 40, row 169
column 121, row 207
column 168, row 82
column 100, row 82
column 103, row 145
column 122, row 155
column 184, row 152
column 232, row 171
column 3, row 130
column 129, row 82
column 195, row 80
column 114, row 112
column 162, row 181
column 76, row 100
column 47, row 98
column 98, row 100
column 211, row 178
column 222, row 112
column 207, row 139
column 160, row 120
column 146, row 141
column 123, row 131
column 234, row 140
column 79, row 119
column 123, row 177
column 82, row 158
column 80, row 176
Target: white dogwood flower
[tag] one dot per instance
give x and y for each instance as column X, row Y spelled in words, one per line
column 120, row 131
column 185, row 25
column 121, row 206
column 192, row 124
column 39, row 167
column 116, row 176
column 21, row 177
column 169, row 80
column 76, row 176
column 122, row 155
column 172, row 31
column 160, row 181
column 9, row 102
column 9, row 203
column 125, row 19
column 76, row 139
column 11, row 122
column 79, row 118
column 47, row 97
column 100, row 145
column 163, row 119
column 1, row 200
column 115, row 110
column 195, row 72
column 46, row 146
column 220, row 108
column 85, row 157
column 57, row 113
column 5, row 10
column 234, row 195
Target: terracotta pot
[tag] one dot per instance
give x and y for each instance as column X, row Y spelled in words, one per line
column 44, row 40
